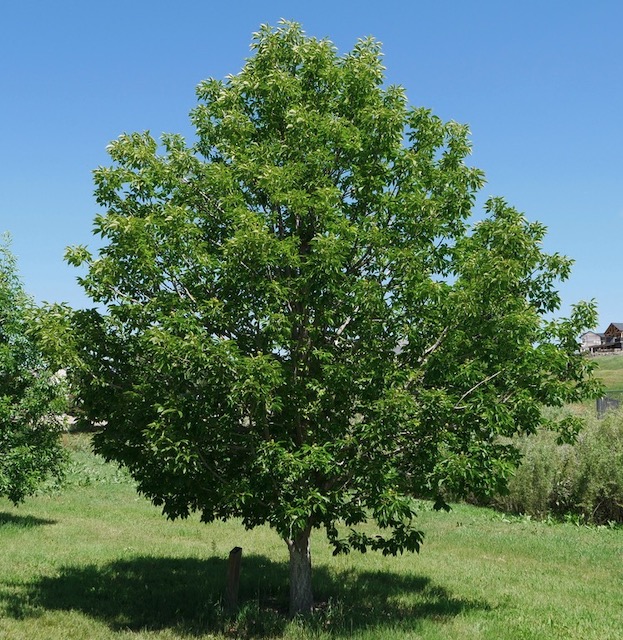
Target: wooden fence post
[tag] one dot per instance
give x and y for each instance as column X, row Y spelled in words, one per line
column 233, row 579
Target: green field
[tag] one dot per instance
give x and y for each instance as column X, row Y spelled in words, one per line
column 97, row 561
column 610, row 370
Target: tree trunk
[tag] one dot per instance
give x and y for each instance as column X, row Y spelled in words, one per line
column 301, row 595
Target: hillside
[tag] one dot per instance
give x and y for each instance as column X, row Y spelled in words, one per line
column 610, row 370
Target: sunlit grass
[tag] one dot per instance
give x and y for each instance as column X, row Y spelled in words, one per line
column 610, row 371
column 96, row 561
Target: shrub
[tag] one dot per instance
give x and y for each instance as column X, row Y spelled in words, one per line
column 539, row 478
column 584, row 479
column 598, row 478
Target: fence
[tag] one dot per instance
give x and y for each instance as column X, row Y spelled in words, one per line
column 605, row 404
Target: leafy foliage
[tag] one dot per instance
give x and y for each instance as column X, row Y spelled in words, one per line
column 300, row 325
column 31, row 396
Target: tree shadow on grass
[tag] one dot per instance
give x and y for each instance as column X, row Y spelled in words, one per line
column 24, row 522
column 185, row 595
column 400, row 600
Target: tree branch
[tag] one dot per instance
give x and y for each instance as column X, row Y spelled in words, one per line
column 423, row 359
column 479, row 384
column 343, row 326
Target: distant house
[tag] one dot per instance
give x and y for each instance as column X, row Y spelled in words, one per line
column 614, row 331
column 613, row 337
column 610, row 340
column 591, row 340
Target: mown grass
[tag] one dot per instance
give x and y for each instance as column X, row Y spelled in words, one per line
column 96, row 561
column 610, row 371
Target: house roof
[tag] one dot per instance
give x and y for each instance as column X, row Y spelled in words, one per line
column 617, row 325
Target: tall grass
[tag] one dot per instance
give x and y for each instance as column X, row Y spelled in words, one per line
column 584, row 480
column 96, row 561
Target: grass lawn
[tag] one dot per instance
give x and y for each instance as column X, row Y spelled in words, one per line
column 97, row 561
column 610, row 370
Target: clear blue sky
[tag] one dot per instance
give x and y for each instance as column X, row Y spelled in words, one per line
column 539, row 82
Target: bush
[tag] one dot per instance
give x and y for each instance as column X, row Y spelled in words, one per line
column 539, row 478
column 598, row 479
column 585, row 479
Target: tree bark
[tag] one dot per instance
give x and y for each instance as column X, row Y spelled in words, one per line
column 233, row 580
column 301, row 594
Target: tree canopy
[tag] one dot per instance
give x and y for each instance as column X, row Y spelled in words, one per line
column 299, row 322
column 32, row 398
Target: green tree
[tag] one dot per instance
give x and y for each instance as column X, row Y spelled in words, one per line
column 32, row 397
column 298, row 325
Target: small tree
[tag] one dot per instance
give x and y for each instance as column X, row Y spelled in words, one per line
column 301, row 328
column 31, row 397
